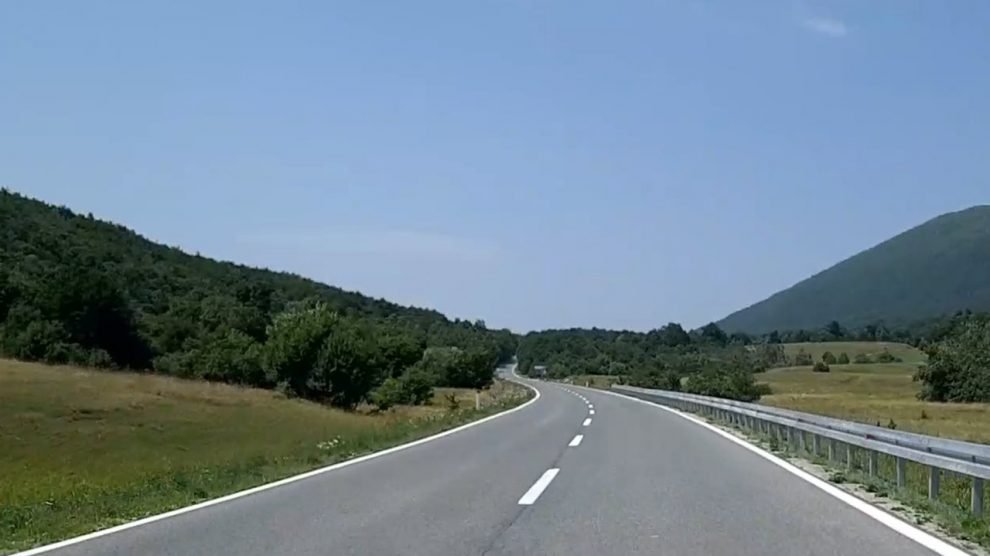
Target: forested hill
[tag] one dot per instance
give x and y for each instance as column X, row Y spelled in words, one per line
column 38, row 237
column 937, row 268
column 74, row 289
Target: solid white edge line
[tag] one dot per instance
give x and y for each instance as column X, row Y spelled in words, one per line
column 891, row 521
column 538, row 487
column 576, row 441
column 276, row 484
column 586, row 422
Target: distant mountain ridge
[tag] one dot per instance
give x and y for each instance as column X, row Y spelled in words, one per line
column 939, row 267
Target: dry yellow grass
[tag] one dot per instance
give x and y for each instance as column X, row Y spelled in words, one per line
column 876, row 393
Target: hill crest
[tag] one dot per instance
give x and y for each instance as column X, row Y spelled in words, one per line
column 938, row 267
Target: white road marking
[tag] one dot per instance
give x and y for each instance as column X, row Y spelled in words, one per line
column 591, row 406
column 586, row 422
column 276, row 484
column 577, row 441
column 923, row 538
column 591, row 412
column 538, row 487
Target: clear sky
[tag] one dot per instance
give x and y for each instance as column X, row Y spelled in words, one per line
column 535, row 163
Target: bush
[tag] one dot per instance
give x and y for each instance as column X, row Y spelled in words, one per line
column 411, row 388
column 733, row 384
column 416, row 386
column 803, row 359
column 230, row 356
column 843, row 359
column 886, row 357
column 828, row 358
column 389, row 394
column 656, row 378
column 958, row 368
column 821, row 367
column 862, row 359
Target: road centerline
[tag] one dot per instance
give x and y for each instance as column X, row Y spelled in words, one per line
column 576, row 441
column 541, row 484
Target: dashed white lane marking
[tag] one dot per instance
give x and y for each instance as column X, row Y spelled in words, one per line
column 538, row 487
column 591, row 412
column 577, row 441
column 591, row 406
column 586, row 422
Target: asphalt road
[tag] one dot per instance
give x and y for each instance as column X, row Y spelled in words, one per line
column 639, row 481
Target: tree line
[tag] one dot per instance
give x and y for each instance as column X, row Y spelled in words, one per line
column 711, row 362
column 705, row 361
column 76, row 290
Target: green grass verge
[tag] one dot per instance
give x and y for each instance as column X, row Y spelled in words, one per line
column 85, row 450
column 950, row 511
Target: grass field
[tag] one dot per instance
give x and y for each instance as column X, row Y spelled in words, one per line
column 873, row 393
column 82, row 450
column 876, row 393
column 906, row 353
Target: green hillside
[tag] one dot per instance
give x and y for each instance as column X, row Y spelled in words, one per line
column 78, row 290
column 939, row 267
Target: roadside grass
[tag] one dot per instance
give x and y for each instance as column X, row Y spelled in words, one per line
column 950, row 511
column 906, row 353
column 82, row 450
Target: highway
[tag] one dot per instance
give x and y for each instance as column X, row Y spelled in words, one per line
column 577, row 472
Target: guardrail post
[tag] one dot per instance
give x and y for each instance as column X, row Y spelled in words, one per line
column 816, row 444
column 874, row 468
column 790, row 437
column 934, row 480
column 849, row 456
column 901, row 465
column 831, row 450
column 802, row 443
column 976, row 499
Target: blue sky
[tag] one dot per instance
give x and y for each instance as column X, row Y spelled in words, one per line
column 534, row 163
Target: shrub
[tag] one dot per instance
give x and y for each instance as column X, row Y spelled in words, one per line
column 958, row 368
column 886, row 357
column 862, row 359
column 655, row 377
column 828, row 358
column 390, row 393
column 230, row 356
column 416, row 386
column 843, row 359
column 803, row 359
column 733, row 384
column 821, row 367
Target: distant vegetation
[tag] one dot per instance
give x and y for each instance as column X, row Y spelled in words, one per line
column 938, row 268
column 706, row 361
column 76, row 290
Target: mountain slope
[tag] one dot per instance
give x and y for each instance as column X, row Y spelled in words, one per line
column 74, row 289
column 938, row 267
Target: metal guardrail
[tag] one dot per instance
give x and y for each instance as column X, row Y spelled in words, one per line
column 793, row 427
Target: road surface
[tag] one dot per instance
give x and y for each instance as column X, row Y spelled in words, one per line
column 578, row 472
